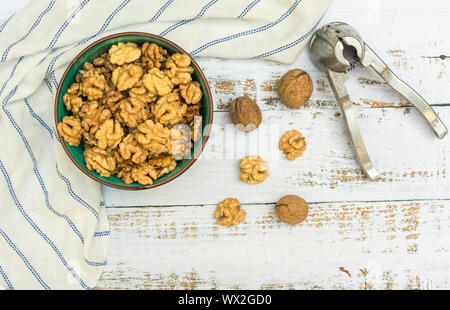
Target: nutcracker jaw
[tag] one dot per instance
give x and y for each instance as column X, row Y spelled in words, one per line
column 327, row 50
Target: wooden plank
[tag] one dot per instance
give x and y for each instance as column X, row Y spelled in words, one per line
column 232, row 78
column 328, row 172
column 373, row 245
column 413, row 163
column 415, row 52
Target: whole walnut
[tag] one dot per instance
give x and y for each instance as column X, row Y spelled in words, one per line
column 291, row 209
column 245, row 114
column 295, row 88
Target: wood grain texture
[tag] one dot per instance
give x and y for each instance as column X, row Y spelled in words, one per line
column 349, row 241
column 391, row 234
column 412, row 162
column 358, row 245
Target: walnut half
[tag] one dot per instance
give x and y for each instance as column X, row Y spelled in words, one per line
column 253, row 170
column 229, row 212
column 70, row 130
column 292, row 144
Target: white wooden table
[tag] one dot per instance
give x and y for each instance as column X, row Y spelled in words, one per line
column 390, row 234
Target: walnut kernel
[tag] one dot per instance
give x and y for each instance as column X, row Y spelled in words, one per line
column 100, row 161
column 109, row 134
column 169, row 110
column 179, row 69
column 127, row 76
column 129, row 148
column 123, row 53
column 144, row 174
column 292, row 144
column 70, row 129
column 253, row 170
column 132, row 112
column 154, row 137
column 191, row 92
column 153, row 55
column 229, row 212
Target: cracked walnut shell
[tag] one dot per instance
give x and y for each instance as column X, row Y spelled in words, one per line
column 70, row 129
column 229, row 212
column 253, row 170
column 291, row 209
column 292, row 144
column 101, row 161
column 295, row 88
column 123, row 53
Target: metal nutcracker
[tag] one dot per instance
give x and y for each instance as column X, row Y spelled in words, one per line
column 327, row 51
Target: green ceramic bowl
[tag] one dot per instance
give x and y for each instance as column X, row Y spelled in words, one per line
column 95, row 50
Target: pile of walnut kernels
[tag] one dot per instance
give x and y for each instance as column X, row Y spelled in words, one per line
column 136, row 110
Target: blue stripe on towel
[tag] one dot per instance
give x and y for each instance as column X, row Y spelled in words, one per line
column 248, row 8
column 69, row 185
column 9, row 285
column 75, row 196
column 37, row 229
column 49, row 86
column 102, row 233
column 66, row 23
column 186, row 21
column 11, row 74
column 16, row 249
column 287, row 46
column 35, row 24
column 5, row 23
column 103, row 28
column 55, row 82
column 160, row 11
column 248, row 32
column 39, row 119
column 95, row 264
column 107, row 22
column 35, row 169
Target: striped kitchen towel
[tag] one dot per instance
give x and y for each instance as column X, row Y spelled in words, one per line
column 54, row 232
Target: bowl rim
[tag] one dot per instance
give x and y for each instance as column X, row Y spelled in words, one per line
column 208, row 94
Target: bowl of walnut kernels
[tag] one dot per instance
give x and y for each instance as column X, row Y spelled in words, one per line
column 133, row 111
